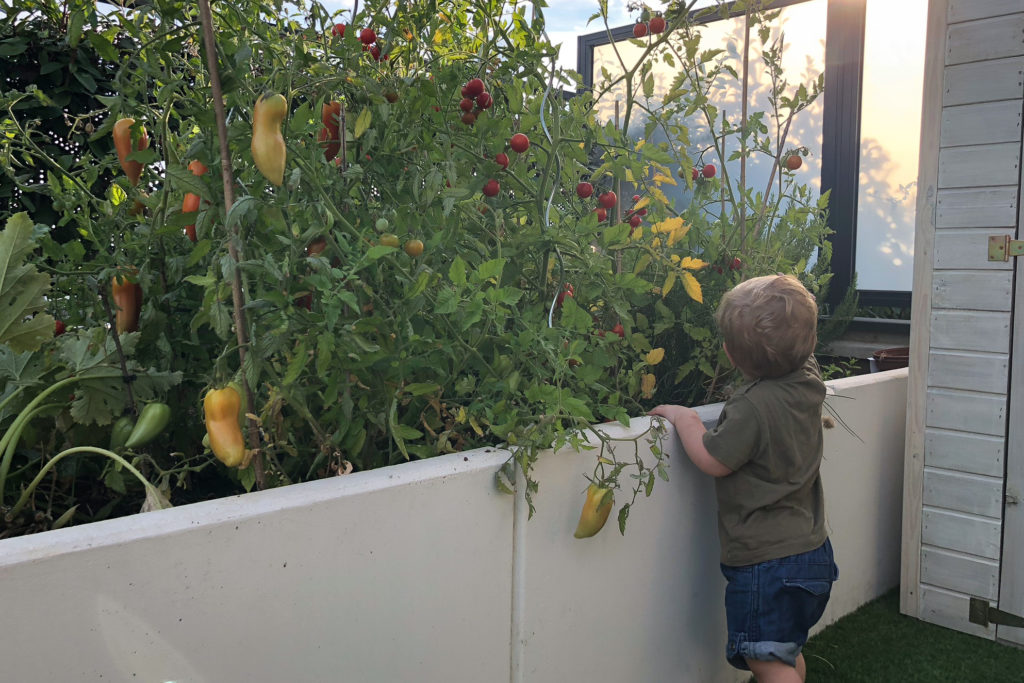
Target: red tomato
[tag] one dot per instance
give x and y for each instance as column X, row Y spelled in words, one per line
column 657, row 24
column 709, row 171
column 316, row 246
column 492, row 188
column 602, row 215
column 368, row 36
column 58, row 328
column 466, row 104
column 619, row 330
column 484, row 100
column 501, row 159
column 607, row 199
column 635, row 221
column 474, row 87
column 338, row 30
column 584, row 190
column 793, row 162
column 566, row 291
column 519, row 143
column 639, row 29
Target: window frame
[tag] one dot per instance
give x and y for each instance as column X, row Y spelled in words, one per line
column 841, row 130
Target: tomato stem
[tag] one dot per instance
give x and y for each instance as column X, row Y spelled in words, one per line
column 27, row 493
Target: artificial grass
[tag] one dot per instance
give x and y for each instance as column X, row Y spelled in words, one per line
column 877, row 644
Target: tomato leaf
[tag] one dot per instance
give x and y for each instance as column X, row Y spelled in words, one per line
column 457, row 272
column 363, row 122
column 23, row 325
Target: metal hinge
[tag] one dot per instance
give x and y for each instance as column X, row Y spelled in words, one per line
column 1001, row 247
column 983, row 614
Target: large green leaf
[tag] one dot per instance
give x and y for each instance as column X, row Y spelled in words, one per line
column 23, row 289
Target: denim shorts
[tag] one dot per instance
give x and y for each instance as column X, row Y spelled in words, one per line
column 770, row 606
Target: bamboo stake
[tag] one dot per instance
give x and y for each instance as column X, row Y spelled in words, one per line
column 237, row 297
column 743, row 134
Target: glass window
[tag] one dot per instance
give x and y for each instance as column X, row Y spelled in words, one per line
column 890, row 140
column 801, row 28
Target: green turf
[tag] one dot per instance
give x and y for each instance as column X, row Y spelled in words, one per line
column 877, row 644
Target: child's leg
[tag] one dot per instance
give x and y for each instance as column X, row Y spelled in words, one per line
column 775, row 671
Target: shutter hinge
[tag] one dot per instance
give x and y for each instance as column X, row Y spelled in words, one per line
column 983, row 614
column 1001, row 247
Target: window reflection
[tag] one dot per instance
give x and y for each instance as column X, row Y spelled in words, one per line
column 890, row 141
column 801, row 28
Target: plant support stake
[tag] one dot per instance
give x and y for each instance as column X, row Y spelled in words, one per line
column 241, row 328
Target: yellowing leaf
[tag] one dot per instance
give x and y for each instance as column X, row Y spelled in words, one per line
column 476, row 426
column 670, row 282
column 678, row 234
column 642, row 203
column 647, row 385
column 692, row 263
column 663, row 178
column 656, row 243
column 640, row 144
column 668, row 225
column 642, row 263
column 629, row 175
column 460, row 417
column 638, row 233
column 658, row 194
column 692, row 287
column 363, row 121
column 655, row 356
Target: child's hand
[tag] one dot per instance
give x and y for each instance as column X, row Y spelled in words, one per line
column 690, row 430
column 671, row 413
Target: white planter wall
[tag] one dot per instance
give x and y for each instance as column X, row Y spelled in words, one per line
column 424, row 572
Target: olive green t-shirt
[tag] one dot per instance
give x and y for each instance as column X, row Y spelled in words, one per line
column 770, row 435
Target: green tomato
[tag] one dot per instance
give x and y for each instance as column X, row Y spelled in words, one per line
column 382, row 225
column 120, row 432
column 152, row 420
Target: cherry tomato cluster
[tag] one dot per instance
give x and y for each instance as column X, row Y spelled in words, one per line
column 706, row 171
column 475, row 99
column 734, row 264
column 654, row 26
column 606, row 200
column 367, row 36
column 412, row 247
column 635, row 215
column 518, row 143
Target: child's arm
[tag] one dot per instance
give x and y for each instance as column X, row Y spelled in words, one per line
column 691, row 432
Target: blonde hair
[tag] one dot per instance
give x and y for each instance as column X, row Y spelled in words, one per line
column 770, row 325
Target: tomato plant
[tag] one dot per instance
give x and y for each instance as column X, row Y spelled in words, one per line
column 280, row 271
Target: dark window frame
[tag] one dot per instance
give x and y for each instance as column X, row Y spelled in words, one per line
column 841, row 135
